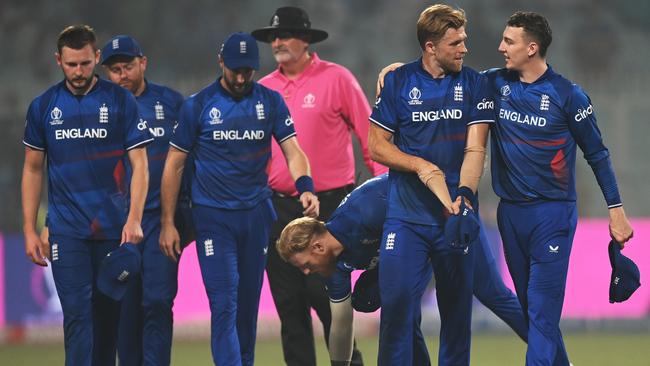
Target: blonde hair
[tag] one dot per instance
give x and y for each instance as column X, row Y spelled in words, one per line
column 297, row 236
column 435, row 20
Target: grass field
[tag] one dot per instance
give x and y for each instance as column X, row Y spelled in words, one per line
column 585, row 349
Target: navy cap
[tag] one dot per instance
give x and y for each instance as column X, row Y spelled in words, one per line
column 121, row 45
column 117, row 268
column 240, row 50
column 626, row 277
column 365, row 297
column 462, row 229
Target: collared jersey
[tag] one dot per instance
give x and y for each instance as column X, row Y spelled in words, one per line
column 86, row 139
column 357, row 224
column 534, row 140
column 158, row 108
column 326, row 103
column 230, row 143
column 428, row 118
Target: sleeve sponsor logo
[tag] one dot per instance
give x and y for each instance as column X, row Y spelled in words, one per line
column 485, row 104
column 583, row 113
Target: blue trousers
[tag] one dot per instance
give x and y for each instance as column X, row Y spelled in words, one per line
column 231, row 247
column 407, row 253
column 537, row 240
column 490, row 290
column 89, row 317
column 146, row 319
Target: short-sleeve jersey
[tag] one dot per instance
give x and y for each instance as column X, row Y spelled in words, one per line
column 538, row 126
column 86, row 139
column 428, row 118
column 158, row 108
column 357, row 224
column 230, row 143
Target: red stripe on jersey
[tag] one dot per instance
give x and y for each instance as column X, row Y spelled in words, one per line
column 559, row 169
column 119, row 174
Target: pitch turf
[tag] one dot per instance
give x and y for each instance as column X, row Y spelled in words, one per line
column 585, row 349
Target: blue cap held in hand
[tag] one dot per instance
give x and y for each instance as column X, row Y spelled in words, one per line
column 626, row 277
column 117, row 268
column 462, row 229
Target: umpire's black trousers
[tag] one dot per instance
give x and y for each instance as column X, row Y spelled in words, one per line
column 294, row 293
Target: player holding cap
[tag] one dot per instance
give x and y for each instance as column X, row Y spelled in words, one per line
column 145, row 333
column 87, row 128
column 227, row 127
column 349, row 241
column 429, row 126
column 541, row 120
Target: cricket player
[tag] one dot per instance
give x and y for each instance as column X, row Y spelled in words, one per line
column 541, row 119
column 328, row 106
column 145, row 332
column 429, row 126
column 350, row 241
column 227, row 127
column 88, row 130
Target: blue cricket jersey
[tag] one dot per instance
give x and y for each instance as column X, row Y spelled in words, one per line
column 429, row 118
column 534, row 139
column 86, row 139
column 158, row 107
column 357, row 224
column 230, row 142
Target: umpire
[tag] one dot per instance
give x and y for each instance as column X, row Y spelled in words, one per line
column 326, row 104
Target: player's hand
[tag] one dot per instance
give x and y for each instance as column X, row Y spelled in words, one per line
column 170, row 242
column 310, row 204
column 456, row 203
column 619, row 226
column 35, row 249
column 132, row 232
column 382, row 75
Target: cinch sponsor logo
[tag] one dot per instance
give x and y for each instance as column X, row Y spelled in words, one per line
column 522, row 118
column 583, row 113
column 78, row 133
column 157, row 131
column 432, row 116
column 238, row 135
column 142, row 125
column 485, row 104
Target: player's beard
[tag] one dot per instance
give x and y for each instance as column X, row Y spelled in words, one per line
column 239, row 90
column 80, row 84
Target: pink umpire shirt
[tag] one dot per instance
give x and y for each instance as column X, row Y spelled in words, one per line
column 325, row 103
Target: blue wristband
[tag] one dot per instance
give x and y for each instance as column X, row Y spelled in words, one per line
column 304, row 184
column 467, row 193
